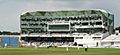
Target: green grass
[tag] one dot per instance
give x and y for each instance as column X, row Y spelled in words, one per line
column 58, row 51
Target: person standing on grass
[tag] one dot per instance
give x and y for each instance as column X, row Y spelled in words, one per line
column 78, row 46
column 5, row 45
column 67, row 48
column 34, row 45
column 86, row 48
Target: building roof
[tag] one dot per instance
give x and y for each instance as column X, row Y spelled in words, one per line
column 65, row 12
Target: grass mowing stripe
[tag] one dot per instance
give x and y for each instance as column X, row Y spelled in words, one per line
column 58, row 51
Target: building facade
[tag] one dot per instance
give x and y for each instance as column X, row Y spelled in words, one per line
column 83, row 27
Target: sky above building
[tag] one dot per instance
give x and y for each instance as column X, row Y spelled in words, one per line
column 10, row 10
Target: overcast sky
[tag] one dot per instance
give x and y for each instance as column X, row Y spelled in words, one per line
column 10, row 10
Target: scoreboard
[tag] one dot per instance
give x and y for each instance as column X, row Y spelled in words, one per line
column 58, row 27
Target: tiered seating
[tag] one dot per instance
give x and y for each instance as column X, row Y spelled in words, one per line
column 118, row 38
column 111, row 37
